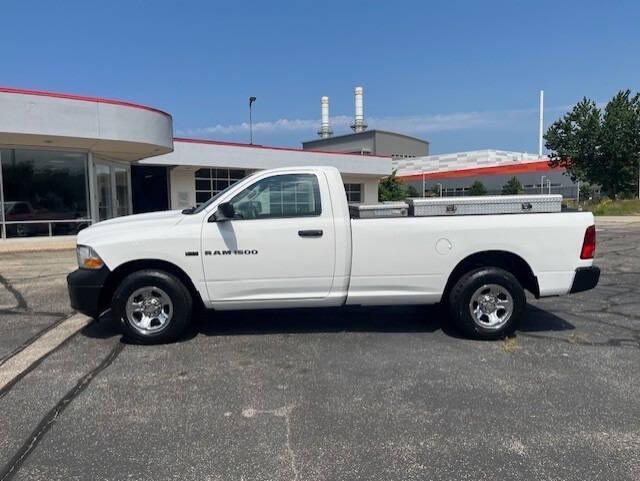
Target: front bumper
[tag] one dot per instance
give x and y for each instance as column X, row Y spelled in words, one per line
column 85, row 286
column 586, row 278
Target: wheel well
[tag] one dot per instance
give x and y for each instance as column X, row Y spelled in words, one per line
column 508, row 261
column 122, row 271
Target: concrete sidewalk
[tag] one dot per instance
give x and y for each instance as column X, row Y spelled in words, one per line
column 34, row 244
column 618, row 219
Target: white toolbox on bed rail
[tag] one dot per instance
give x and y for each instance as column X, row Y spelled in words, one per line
column 386, row 209
column 485, row 205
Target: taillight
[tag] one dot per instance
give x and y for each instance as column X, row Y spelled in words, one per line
column 589, row 244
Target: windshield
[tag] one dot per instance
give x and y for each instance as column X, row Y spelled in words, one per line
column 202, row 207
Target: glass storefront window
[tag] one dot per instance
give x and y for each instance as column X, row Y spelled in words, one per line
column 210, row 182
column 354, row 192
column 43, row 185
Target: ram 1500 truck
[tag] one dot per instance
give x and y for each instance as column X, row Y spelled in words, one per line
column 284, row 238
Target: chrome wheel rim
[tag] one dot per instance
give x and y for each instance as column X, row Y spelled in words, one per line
column 149, row 309
column 491, row 306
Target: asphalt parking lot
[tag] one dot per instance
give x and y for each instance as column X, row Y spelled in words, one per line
column 344, row 394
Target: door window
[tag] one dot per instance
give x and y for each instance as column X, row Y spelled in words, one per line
column 112, row 190
column 105, row 198
column 121, row 176
column 289, row 195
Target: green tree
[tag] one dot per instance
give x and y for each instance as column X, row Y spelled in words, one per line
column 512, row 187
column 412, row 191
column 477, row 188
column 586, row 191
column 390, row 188
column 597, row 146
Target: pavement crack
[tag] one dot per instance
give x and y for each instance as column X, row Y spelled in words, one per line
column 22, row 302
column 33, row 338
column 12, row 467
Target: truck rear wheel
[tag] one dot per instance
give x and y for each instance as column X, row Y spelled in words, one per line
column 152, row 306
column 487, row 303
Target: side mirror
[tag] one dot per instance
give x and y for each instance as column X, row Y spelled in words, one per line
column 225, row 212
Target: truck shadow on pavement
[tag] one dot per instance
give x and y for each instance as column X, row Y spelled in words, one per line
column 424, row 319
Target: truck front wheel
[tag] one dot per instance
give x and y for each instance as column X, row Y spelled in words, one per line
column 487, row 303
column 152, row 306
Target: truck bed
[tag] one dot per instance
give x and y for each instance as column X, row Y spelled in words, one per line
column 452, row 206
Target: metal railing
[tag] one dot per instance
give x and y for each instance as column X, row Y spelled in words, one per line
column 48, row 222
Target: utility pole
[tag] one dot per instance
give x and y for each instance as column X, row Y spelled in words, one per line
column 541, row 127
column 251, row 100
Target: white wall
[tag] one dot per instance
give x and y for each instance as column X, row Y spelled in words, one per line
column 240, row 156
column 118, row 130
column 369, row 187
column 183, row 187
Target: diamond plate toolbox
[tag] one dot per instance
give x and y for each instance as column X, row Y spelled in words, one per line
column 485, row 205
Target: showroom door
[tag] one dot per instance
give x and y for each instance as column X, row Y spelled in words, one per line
column 113, row 190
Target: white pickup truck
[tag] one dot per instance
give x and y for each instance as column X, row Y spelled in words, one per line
column 284, row 238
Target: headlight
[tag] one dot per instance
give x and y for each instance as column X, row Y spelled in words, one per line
column 87, row 258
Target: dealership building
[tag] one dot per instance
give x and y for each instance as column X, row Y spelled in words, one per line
column 67, row 161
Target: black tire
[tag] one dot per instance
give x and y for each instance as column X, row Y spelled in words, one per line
column 460, row 307
column 162, row 284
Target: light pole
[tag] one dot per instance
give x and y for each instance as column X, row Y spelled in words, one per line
column 542, row 184
column 251, row 100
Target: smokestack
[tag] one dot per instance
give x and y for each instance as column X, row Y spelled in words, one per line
column 325, row 130
column 358, row 124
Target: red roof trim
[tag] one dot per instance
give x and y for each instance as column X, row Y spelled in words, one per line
column 542, row 166
column 42, row 93
column 259, row 146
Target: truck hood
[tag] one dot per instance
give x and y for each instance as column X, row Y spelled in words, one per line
column 151, row 216
column 128, row 223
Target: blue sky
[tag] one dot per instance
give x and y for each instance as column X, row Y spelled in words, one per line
column 463, row 75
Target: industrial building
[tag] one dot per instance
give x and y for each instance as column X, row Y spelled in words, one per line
column 67, row 161
column 453, row 174
column 372, row 142
column 363, row 141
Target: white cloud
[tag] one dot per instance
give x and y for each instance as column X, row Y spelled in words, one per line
column 415, row 124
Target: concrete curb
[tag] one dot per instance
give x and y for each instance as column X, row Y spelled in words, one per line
column 36, row 244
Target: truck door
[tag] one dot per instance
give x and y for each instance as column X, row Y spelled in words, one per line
column 280, row 244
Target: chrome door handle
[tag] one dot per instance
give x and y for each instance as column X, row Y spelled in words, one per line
column 310, row 233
